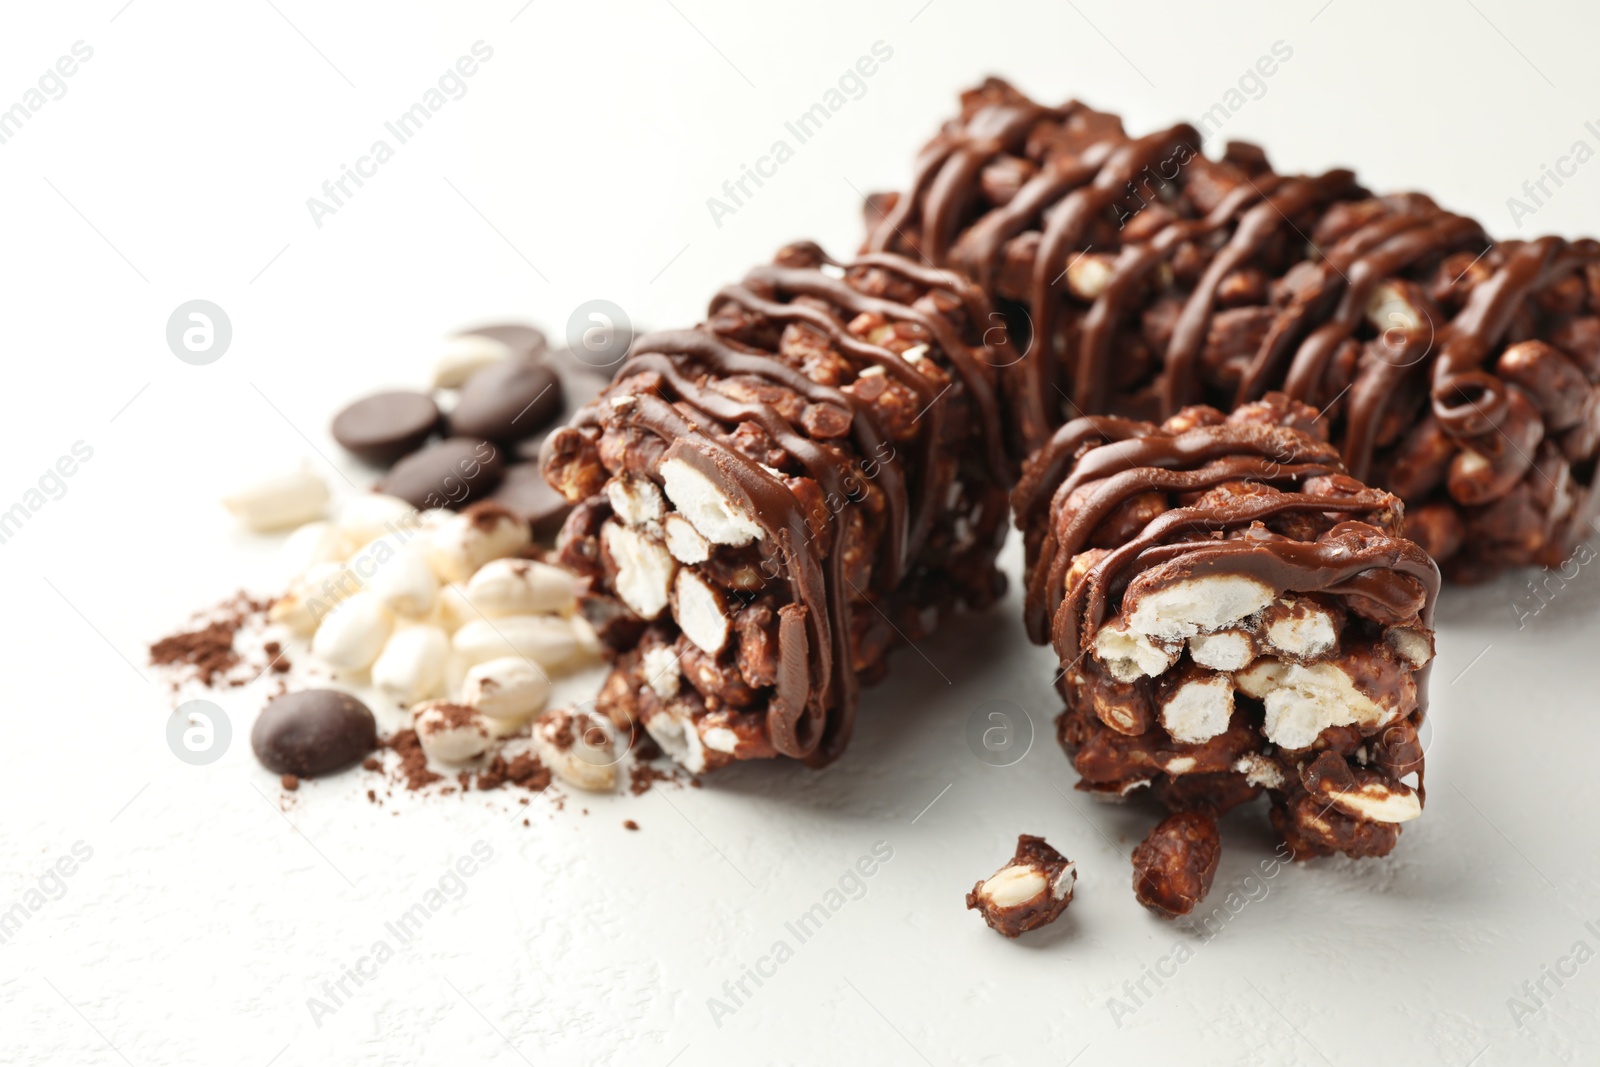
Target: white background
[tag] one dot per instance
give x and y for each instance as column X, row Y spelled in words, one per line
column 577, row 166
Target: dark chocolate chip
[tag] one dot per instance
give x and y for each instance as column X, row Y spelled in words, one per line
column 383, row 427
column 507, row 401
column 523, row 340
column 313, row 732
column 525, row 492
column 446, row 474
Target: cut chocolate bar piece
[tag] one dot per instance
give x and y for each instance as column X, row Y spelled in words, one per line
column 1140, row 276
column 1029, row 892
column 767, row 503
column 1233, row 612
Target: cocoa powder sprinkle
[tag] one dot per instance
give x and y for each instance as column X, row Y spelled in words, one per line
column 413, row 768
column 207, row 652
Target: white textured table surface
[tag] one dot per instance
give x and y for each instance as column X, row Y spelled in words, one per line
column 175, row 164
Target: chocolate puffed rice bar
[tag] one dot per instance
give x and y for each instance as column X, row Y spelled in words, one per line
column 767, row 503
column 1233, row 613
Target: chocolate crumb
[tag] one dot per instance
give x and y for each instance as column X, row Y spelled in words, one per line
column 289, row 782
column 413, row 767
column 629, row 824
column 523, row 770
column 643, row 776
column 275, row 658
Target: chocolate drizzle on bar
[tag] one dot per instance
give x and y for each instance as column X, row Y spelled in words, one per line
column 1141, row 276
column 1354, row 557
column 787, row 365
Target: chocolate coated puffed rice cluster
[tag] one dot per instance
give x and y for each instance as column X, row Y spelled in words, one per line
column 1140, row 276
column 1030, row 891
column 1234, row 613
column 767, row 503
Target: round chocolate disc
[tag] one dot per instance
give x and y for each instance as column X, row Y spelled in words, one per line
column 315, row 731
column 446, row 474
column 507, row 401
column 383, row 427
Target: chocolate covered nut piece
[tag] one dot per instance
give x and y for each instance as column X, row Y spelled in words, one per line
column 756, row 497
column 507, row 402
column 447, row 474
column 313, row 732
column 1268, row 629
column 1174, row 865
column 1310, row 827
column 383, row 427
column 1029, row 892
column 1358, row 793
column 1144, row 276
